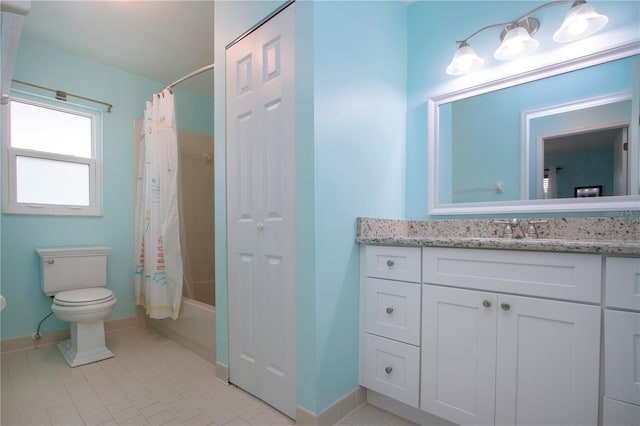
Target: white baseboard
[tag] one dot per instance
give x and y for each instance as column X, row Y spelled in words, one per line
column 334, row 413
column 53, row 337
column 222, row 373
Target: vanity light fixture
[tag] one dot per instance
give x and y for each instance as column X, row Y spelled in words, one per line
column 581, row 21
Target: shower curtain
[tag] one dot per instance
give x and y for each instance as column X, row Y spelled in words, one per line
column 158, row 277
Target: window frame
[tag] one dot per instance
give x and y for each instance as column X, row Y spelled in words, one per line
column 10, row 205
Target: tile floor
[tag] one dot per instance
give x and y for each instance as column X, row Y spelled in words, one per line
column 151, row 381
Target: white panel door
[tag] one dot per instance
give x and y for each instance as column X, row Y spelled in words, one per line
column 260, row 212
column 548, row 362
column 458, row 354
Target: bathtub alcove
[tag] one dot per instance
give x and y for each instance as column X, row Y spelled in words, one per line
column 195, row 328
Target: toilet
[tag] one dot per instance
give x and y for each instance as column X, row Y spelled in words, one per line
column 77, row 278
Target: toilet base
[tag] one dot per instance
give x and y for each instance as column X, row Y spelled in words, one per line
column 86, row 345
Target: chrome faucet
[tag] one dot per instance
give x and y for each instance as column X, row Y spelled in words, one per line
column 513, row 229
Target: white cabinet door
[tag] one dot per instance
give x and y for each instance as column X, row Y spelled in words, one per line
column 548, row 362
column 458, row 354
column 260, row 212
column 622, row 355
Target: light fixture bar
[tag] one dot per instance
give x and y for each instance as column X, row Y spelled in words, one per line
column 581, row 21
column 514, row 22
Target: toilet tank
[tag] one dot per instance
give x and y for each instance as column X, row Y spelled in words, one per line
column 72, row 268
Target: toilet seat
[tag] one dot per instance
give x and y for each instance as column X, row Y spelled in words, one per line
column 83, row 297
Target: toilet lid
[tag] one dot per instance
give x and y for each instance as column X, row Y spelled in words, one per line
column 83, row 296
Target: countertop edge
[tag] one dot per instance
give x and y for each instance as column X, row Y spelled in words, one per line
column 593, row 247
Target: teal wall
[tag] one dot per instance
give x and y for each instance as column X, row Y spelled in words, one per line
column 433, row 28
column 21, row 235
column 360, row 58
column 350, row 131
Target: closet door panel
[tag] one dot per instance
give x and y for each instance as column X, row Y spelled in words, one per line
column 242, row 213
column 261, row 208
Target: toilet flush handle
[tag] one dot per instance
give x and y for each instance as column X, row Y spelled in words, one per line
column 51, row 261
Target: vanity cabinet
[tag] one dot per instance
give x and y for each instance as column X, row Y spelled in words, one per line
column 497, row 337
column 390, row 313
column 621, row 405
column 494, row 357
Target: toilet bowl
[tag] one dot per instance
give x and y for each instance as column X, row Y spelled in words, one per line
column 77, row 278
column 86, row 310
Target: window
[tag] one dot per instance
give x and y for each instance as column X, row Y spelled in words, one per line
column 51, row 157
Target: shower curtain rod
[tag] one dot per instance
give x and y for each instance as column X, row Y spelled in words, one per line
column 188, row 76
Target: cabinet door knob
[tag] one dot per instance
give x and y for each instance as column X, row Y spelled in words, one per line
column 505, row 306
column 388, row 370
column 486, row 303
column 260, row 226
column 389, row 310
column 390, row 263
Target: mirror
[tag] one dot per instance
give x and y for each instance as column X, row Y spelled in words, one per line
column 555, row 139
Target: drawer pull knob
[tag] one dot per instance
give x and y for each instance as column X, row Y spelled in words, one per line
column 486, row 303
column 390, row 263
column 388, row 370
column 389, row 310
column 505, row 306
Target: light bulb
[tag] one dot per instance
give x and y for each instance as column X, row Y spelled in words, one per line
column 516, row 43
column 464, row 60
column 578, row 27
column 581, row 21
column 514, row 48
column 464, row 64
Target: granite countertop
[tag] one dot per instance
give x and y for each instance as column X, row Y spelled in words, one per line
column 571, row 235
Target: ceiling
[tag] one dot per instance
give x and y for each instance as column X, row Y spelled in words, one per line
column 160, row 40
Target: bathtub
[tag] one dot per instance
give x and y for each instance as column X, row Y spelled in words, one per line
column 195, row 328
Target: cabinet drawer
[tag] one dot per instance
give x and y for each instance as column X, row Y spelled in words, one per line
column 394, row 263
column 622, row 283
column 393, row 310
column 622, row 356
column 568, row 276
column 392, row 369
column 616, row 413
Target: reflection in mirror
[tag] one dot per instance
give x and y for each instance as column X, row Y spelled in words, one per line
column 586, row 164
column 490, row 145
column 580, row 144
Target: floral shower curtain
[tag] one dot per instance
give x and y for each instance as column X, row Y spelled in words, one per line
column 158, row 276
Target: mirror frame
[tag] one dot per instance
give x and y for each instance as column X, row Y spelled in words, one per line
column 607, row 204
